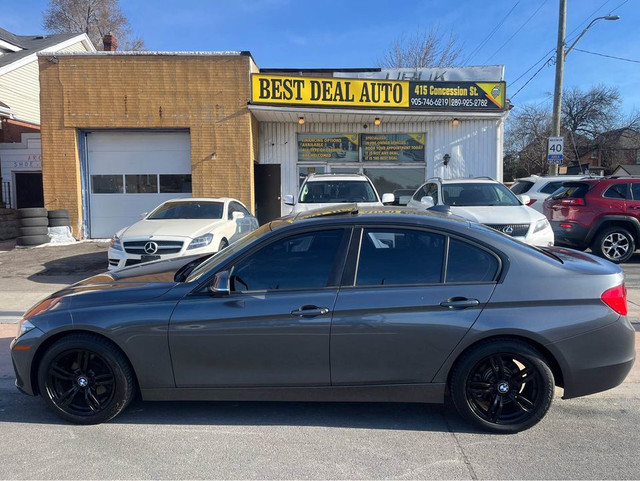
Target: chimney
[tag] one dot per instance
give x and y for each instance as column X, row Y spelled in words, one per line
column 110, row 43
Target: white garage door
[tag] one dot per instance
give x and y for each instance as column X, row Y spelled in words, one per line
column 131, row 173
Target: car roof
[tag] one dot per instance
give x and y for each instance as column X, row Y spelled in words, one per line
column 543, row 178
column 469, row 180
column 201, row 199
column 353, row 213
column 321, row 177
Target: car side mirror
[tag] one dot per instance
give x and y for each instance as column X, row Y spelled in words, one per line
column 288, row 199
column 427, row 201
column 525, row 199
column 220, row 284
column 143, row 215
column 237, row 215
column 388, row 199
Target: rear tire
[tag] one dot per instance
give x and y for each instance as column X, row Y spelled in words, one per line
column 84, row 379
column 616, row 244
column 502, row 385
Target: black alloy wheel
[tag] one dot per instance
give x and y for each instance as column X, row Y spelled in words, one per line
column 85, row 379
column 503, row 386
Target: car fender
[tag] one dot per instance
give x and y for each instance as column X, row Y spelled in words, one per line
column 631, row 221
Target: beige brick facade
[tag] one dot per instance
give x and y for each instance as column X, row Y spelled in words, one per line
column 206, row 94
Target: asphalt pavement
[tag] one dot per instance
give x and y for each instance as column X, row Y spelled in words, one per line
column 595, row 437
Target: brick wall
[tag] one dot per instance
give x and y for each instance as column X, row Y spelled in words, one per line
column 206, row 94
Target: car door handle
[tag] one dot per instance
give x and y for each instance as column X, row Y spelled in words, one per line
column 459, row 303
column 310, row 311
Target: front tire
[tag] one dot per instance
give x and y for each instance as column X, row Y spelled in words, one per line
column 504, row 386
column 84, row 379
column 615, row 244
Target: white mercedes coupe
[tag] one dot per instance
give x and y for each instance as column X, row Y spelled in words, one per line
column 181, row 227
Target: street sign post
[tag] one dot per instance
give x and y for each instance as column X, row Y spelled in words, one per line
column 555, row 150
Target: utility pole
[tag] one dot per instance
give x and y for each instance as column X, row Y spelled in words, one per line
column 557, row 91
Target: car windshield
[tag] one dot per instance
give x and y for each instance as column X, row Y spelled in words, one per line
column 329, row 191
column 521, row 186
column 188, row 210
column 203, row 268
column 478, row 194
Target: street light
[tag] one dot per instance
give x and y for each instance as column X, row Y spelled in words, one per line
column 606, row 17
column 560, row 54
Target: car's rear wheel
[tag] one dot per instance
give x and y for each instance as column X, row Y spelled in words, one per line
column 504, row 386
column 85, row 379
column 615, row 244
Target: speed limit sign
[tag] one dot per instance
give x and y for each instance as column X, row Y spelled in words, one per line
column 555, row 150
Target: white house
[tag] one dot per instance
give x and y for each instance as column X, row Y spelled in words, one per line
column 20, row 157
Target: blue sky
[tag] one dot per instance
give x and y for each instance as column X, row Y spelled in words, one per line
column 341, row 33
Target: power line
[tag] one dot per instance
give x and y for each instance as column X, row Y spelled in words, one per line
column 533, row 66
column 608, row 56
column 532, row 77
column 517, row 31
column 488, row 37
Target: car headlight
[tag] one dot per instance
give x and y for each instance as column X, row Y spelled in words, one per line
column 116, row 243
column 23, row 327
column 203, row 240
column 542, row 224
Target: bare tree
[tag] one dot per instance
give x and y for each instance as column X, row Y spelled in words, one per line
column 525, row 144
column 592, row 112
column 425, row 48
column 96, row 18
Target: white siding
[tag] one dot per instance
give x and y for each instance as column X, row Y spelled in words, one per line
column 475, row 146
column 20, row 88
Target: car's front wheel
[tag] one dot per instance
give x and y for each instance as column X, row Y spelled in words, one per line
column 85, row 379
column 503, row 385
column 615, row 244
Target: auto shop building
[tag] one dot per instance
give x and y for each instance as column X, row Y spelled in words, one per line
column 122, row 131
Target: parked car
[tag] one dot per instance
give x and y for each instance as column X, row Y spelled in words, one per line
column 538, row 187
column 325, row 190
column 603, row 214
column 488, row 202
column 351, row 304
column 180, row 227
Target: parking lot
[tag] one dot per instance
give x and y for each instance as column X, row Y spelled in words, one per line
column 593, row 437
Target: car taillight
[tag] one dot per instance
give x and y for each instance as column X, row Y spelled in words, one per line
column 572, row 201
column 616, row 299
column 532, row 201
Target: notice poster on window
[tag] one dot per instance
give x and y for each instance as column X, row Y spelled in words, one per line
column 328, row 147
column 393, row 147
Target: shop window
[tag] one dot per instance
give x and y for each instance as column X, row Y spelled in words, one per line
column 389, row 180
column 106, row 184
column 141, row 183
column 175, row 183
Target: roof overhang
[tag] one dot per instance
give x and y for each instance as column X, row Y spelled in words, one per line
column 271, row 113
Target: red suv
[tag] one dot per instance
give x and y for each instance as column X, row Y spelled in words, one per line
column 603, row 214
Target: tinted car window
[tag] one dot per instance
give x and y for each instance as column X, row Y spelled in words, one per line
column 188, row 210
column 617, row 191
column 399, row 256
column 521, row 186
column 318, row 192
column 468, row 263
column 420, row 193
column 572, row 190
column 302, row 261
column 432, row 190
column 551, row 187
column 635, row 190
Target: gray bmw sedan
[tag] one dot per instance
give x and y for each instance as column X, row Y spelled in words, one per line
column 383, row 304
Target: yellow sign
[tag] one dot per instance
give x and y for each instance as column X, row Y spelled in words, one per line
column 276, row 89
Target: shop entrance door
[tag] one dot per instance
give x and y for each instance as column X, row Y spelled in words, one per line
column 29, row 190
column 267, row 186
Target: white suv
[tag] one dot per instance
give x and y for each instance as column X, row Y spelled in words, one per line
column 488, row 202
column 538, row 188
column 326, row 190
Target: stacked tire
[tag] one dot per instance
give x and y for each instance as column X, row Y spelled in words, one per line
column 59, row 218
column 33, row 224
